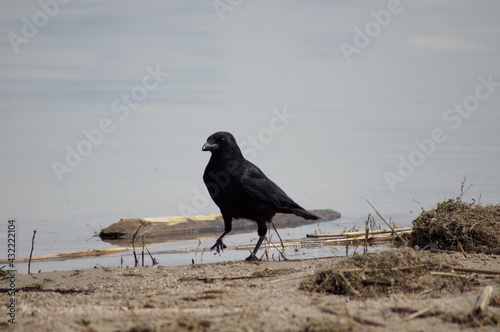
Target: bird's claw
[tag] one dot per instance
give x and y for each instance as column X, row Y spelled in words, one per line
column 252, row 258
column 219, row 245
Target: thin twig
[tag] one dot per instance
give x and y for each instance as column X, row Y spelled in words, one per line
column 482, row 301
column 281, row 241
column 448, row 274
column 70, row 255
column 142, row 253
column 421, row 206
column 418, row 313
column 96, row 233
column 464, row 269
column 367, row 321
column 198, row 238
column 44, row 290
column 31, row 252
column 288, row 279
column 493, row 251
column 208, row 279
column 253, row 255
column 367, row 231
column 349, row 234
column 281, row 253
column 133, row 244
column 358, row 240
column 382, row 217
column 153, row 260
column 462, row 249
column 400, row 268
column 462, row 191
column 349, row 284
column 355, row 318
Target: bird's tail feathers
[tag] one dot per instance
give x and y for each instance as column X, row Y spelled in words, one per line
column 304, row 214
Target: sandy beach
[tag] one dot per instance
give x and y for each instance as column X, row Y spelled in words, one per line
column 238, row 296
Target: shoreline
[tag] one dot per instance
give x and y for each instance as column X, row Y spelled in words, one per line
column 231, row 296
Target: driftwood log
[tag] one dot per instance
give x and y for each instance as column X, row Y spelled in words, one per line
column 163, row 229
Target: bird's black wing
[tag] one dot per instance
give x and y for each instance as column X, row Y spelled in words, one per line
column 259, row 186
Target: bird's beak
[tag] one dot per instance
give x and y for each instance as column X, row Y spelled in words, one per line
column 209, row 147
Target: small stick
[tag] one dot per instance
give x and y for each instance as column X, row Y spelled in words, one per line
column 281, row 241
column 355, row 318
column 133, row 244
column 462, row 191
column 493, row 251
column 70, row 255
column 253, row 255
column 482, row 301
column 462, row 249
column 367, row 321
column 198, row 238
column 44, row 290
column 359, row 239
column 266, row 250
column 288, row 279
column 418, row 313
column 136, row 261
column 142, row 254
column 464, row 269
column 347, row 234
column 153, row 260
column 411, row 267
column 31, row 252
column 367, row 232
column 281, row 253
column 448, row 274
column 401, row 268
column 349, row 284
column 224, row 278
column 382, row 217
column 421, row 206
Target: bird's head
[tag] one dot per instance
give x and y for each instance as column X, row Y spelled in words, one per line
column 221, row 142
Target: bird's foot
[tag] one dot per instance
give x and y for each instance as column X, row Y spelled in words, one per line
column 252, row 258
column 219, row 245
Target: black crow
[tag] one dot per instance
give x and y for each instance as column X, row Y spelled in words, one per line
column 241, row 190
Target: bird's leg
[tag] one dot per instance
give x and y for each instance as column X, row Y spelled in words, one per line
column 253, row 256
column 262, row 230
column 219, row 245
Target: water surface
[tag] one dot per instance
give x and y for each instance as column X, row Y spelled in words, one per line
column 349, row 124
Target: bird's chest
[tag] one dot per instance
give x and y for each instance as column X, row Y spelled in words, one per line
column 226, row 190
column 223, row 186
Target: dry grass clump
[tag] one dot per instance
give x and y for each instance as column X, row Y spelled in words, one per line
column 454, row 223
column 381, row 274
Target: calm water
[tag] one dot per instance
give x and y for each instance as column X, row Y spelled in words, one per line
column 104, row 110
